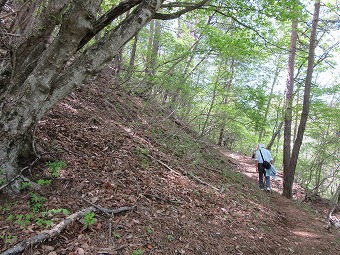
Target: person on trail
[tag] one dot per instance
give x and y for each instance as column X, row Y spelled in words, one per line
column 260, row 168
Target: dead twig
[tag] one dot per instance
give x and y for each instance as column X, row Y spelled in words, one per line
column 13, row 179
column 165, row 165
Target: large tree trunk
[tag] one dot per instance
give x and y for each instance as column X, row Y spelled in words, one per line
column 289, row 178
column 43, row 70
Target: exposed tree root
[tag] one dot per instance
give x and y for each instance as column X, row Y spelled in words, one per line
column 57, row 229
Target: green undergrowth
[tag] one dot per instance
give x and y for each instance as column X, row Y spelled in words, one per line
column 34, row 213
column 201, row 159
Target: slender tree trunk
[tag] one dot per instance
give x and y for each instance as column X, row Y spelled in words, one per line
column 296, row 114
column 155, row 47
column 275, row 134
column 288, row 107
column 333, row 202
column 226, row 101
column 211, row 104
column 149, row 49
column 288, row 181
column 276, row 75
column 132, row 58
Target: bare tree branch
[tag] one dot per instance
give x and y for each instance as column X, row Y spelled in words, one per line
column 107, row 18
column 175, row 15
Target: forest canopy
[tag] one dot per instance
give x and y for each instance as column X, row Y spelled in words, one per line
column 219, row 65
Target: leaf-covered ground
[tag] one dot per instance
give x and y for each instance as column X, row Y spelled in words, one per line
column 190, row 197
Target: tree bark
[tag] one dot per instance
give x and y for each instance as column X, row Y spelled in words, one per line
column 226, row 101
column 56, row 71
column 212, row 104
column 2, row 3
column 289, row 179
column 274, row 135
column 132, row 58
column 288, row 107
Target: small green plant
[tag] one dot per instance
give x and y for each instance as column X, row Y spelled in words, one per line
column 43, row 221
column 116, row 235
column 89, row 219
column 137, row 252
column 196, row 192
column 29, row 216
column 148, row 230
column 25, row 186
column 6, row 207
column 55, row 167
column 21, row 220
column 36, row 202
column 42, row 182
column 143, row 155
column 10, row 239
column 10, row 217
column 170, row 237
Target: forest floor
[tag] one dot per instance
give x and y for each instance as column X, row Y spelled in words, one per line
column 183, row 196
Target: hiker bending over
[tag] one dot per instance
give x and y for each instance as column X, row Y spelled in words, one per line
column 260, row 168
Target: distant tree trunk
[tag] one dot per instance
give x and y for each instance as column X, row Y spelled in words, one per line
column 152, row 52
column 132, row 58
column 155, row 46
column 203, row 131
column 117, row 63
column 289, row 177
column 288, row 105
column 275, row 134
column 149, row 48
column 226, row 101
column 335, row 200
column 276, row 74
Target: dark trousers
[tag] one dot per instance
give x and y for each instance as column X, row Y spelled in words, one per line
column 262, row 172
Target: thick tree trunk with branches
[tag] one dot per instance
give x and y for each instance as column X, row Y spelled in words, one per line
column 43, row 68
column 48, row 56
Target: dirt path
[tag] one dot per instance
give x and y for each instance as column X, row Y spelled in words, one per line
column 246, row 166
column 306, row 233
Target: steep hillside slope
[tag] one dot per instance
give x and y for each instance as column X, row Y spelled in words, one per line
column 177, row 195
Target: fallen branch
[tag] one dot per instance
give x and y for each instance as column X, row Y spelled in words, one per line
column 165, row 165
column 203, row 182
column 184, row 173
column 57, row 229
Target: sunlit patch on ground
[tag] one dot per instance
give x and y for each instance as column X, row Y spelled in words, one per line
column 306, row 234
